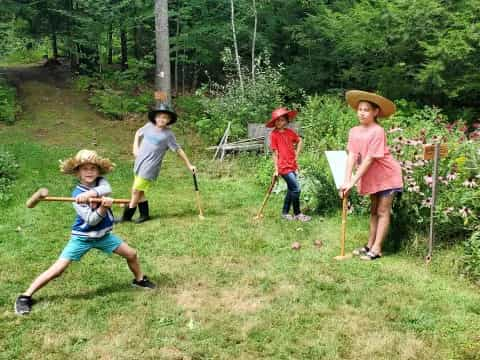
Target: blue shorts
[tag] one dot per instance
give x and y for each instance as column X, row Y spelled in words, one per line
column 79, row 246
column 388, row 192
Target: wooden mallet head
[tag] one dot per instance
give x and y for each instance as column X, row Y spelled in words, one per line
column 37, row 197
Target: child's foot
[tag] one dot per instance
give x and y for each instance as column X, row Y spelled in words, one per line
column 144, row 283
column 361, row 251
column 23, row 305
column 141, row 219
column 371, row 256
column 302, row 217
column 287, row 217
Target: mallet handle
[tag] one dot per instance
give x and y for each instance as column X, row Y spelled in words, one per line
column 70, row 199
column 267, row 195
column 344, row 225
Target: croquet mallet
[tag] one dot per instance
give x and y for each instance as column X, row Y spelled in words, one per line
column 343, row 234
column 197, row 195
column 267, row 195
column 42, row 195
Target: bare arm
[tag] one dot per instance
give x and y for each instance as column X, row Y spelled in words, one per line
column 349, row 181
column 275, row 161
column 136, row 143
column 184, row 157
column 299, row 148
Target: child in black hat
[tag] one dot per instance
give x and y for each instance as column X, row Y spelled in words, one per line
column 150, row 144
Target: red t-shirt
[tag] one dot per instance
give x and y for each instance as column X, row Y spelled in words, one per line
column 283, row 142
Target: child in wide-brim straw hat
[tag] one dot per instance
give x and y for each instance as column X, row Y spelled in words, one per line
column 91, row 228
column 378, row 174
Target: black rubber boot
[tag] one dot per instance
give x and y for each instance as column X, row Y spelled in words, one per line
column 144, row 215
column 127, row 214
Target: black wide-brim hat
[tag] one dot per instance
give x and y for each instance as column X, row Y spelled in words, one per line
column 162, row 108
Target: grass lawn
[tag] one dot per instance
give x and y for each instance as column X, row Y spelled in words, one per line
column 228, row 287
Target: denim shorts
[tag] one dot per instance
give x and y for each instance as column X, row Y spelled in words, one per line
column 79, row 246
column 388, row 192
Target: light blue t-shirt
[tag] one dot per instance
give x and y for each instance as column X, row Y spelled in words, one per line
column 153, row 147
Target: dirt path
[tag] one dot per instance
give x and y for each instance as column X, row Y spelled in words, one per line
column 54, row 113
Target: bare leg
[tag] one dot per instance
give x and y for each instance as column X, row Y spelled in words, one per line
column 383, row 212
column 130, row 255
column 137, row 196
column 373, row 220
column 53, row 271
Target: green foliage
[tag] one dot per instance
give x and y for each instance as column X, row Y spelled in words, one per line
column 228, row 103
column 472, row 256
column 119, row 93
column 458, row 192
column 8, row 105
column 8, row 174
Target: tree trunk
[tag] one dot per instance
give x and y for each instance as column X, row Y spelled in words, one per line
column 124, row 48
column 195, row 77
column 183, row 68
column 162, row 71
column 137, row 42
column 237, row 58
column 110, row 45
column 177, row 44
column 254, row 39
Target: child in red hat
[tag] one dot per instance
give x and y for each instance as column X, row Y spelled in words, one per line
column 286, row 146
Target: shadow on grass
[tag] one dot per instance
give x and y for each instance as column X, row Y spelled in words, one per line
column 118, row 287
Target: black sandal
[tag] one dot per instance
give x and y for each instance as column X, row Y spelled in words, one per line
column 370, row 256
column 361, row 251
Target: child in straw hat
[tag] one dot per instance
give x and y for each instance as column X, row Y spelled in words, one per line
column 92, row 226
column 377, row 174
column 286, row 146
column 150, row 145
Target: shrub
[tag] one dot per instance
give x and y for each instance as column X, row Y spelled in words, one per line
column 8, row 105
column 224, row 103
column 471, row 259
column 8, row 173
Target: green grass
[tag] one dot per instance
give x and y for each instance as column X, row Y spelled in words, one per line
column 228, row 287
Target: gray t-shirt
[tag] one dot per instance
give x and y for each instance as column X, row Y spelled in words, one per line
column 153, row 147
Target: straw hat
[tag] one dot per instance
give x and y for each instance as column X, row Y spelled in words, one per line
column 386, row 107
column 162, row 108
column 70, row 165
column 289, row 114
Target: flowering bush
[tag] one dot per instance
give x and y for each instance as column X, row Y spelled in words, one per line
column 458, row 190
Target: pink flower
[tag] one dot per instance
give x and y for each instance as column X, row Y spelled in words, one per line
column 398, row 140
column 428, row 179
column 470, row 183
column 427, row 202
column 448, row 210
column 394, row 130
column 465, row 212
column 476, row 125
column 451, row 176
column 475, row 135
column 413, row 188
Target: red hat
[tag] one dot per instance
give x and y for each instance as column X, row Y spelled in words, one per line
column 290, row 114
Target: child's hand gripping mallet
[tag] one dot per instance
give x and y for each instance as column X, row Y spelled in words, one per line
column 267, row 195
column 197, row 195
column 42, row 195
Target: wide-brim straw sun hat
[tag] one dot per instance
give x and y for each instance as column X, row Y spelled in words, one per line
column 386, row 106
column 70, row 165
column 279, row 112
